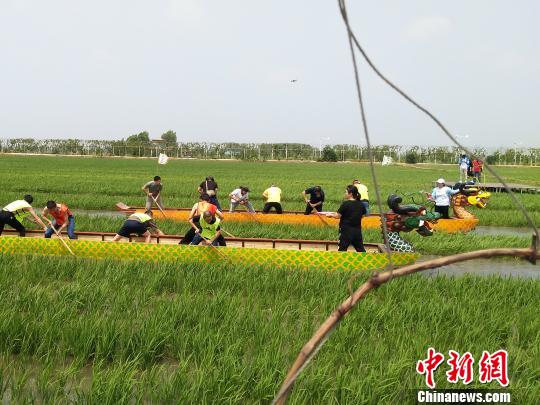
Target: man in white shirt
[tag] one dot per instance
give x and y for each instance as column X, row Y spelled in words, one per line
column 441, row 195
column 240, row 196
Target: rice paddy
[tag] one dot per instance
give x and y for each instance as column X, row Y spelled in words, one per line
column 106, row 331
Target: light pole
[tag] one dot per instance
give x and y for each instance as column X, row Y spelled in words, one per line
column 515, row 151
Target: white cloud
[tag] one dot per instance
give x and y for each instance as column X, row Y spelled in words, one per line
column 428, row 27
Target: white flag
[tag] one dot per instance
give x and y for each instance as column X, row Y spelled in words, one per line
column 387, row 160
column 163, row 159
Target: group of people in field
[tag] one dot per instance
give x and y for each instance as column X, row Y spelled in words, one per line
column 470, row 168
column 205, row 217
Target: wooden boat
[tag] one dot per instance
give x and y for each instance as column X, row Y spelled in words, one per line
column 275, row 253
column 298, row 217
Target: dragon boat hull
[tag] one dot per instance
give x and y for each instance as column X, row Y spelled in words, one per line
column 274, row 253
column 298, row 217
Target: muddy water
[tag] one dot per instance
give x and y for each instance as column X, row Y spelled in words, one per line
column 502, row 230
column 100, row 213
column 486, row 267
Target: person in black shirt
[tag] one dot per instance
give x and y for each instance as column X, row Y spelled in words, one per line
column 315, row 200
column 210, row 187
column 350, row 216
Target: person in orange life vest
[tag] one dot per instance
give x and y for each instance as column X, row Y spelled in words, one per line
column 63, row 218
column 139, row 224
column 14, row 213
column 194, row 218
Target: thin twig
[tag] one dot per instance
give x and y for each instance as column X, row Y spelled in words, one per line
column 320, row 336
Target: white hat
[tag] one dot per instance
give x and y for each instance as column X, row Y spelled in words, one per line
column 441, row 181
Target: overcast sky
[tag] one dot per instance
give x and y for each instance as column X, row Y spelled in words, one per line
column 215, row 70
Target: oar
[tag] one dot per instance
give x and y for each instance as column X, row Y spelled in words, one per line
column 228, row 233
column 216, row 249
column 59, row 236
column 321, row 217
column 155, row 200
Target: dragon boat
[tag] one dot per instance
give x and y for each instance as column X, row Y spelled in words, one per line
column 274, row 253
column 298, row 217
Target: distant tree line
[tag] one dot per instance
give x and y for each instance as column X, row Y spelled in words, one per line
column 141, row 145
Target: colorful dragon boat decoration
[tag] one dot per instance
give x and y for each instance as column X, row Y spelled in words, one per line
column 298, row 218
column 270, row 253
column 407, row 218
column 468, row 196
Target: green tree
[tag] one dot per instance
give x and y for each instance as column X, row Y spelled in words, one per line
column 169, row 137
column 141, row 137
column 328, row 154
column 411, row 157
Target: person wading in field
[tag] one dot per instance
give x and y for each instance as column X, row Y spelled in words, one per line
column 139, row 224
column 152, row 190
column 210, row 187
column 194, row 218
column 63, row 218
column 210, row 233
column 350, row 216
column 273, row 199
column 14, row 214
column 315, row 200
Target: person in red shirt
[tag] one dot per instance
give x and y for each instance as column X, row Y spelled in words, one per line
column 477, row 169
column 63, row 218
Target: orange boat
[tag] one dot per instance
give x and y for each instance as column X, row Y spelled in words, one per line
column 298, row 217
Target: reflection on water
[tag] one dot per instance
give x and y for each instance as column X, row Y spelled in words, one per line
column 485, row 267
column 502, row 230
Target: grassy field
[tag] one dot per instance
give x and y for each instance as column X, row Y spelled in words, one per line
column 99, row 183
column 106, row 332
column 86, row 331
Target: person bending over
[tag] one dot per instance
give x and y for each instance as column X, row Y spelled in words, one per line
column 139, row 224
column 14, row 214
column 63, row 218
column 273, row 199
column 210, row 233
column 315, row 200
column 240, row 196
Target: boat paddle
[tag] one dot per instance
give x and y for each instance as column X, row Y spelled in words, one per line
column 155, row 200
column 59, row 236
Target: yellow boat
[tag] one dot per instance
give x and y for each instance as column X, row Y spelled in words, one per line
column 298, row 217
column 273, row 253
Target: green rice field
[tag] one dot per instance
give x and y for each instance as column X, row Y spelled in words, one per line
column 108, row 332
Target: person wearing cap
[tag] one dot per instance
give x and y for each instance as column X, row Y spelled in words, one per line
column 364, row 196
column 240, row 196
column 441, row 196
column 14, row 213
column 139, row 224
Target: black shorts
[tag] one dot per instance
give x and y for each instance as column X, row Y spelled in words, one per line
column 132, row 226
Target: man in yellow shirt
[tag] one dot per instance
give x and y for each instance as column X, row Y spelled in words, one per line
column 273, row 199
column 364, row 196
